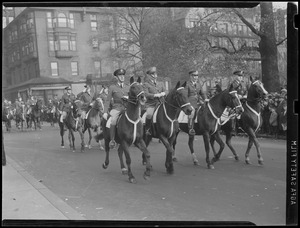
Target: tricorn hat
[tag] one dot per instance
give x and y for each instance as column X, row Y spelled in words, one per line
column 151, row 70
column 119, row 72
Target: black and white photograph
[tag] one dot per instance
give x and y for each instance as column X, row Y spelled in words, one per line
column 149, row 113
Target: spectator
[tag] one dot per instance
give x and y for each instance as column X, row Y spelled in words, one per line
column 273, row 121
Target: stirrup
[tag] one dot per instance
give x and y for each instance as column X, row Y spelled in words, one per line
column 112, row 144
column 192, row 132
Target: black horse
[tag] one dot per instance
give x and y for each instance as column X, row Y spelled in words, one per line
column 7, row 116
column 209, row 120
column 250, row 120
column 35, row 114
column 164, row 123
column 129, row 131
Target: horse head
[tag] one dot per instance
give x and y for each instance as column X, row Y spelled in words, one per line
column 39, row 104
column 232, row 100
column 256, row 92
column 136, row 92
column 179, row 97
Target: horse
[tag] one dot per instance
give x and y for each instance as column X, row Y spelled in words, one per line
column 20, row 117
column 7, row 116
column 129, row 131
column 208, row 121
column 35, row 115
column 93, row 120
column 73, row 125
column 164, row 123
column 250, row 120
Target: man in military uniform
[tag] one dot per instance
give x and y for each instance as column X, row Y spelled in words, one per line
column 86, row 98
column 114, row 100
column 66, row 102
column 153, row 91
column 239, row 84
column 196, row 97
column 31, row 102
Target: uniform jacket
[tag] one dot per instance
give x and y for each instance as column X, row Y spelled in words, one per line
column 86, row 99
column 31, row 102
column 114, row 97
column 19, row 104
column 66, row 101
column 195, row 94
column 150, row 89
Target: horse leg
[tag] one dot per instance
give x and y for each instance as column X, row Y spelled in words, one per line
column 106, row 163
column 125, row 147
column 120, row 154
column 82, row 139
column 62, row 132
column 90, row 138
column 212, row 143
column 254, row 140
column 206, row 140
column 142, row 146
column 250, row 143
column 174, row 158
column 71, row 140
column 228, row 142
column 169, row 154
column 191, row 146
column 222, row 146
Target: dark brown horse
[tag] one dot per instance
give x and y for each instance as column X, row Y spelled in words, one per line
column 35, row 115
column 93, row 120
column 20, row 117
column 164, row 123
column 7, row 116
column 72, row 125
column 209, row 120
column 250, row 120
column 129, row 131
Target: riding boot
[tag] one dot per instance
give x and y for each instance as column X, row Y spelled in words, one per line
column 148, row 126
column 191, row 127
column 112, row 132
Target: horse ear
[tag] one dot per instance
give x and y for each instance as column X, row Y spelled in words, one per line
column 139, row 79
column 131, row 80
column 184, row 84
column 177, row 85
column 251, row 79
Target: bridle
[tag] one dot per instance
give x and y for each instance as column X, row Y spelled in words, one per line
column 259, row 98
column 178, row 103
column 134, row 100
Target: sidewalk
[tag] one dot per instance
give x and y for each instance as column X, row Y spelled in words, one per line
column 24, row 197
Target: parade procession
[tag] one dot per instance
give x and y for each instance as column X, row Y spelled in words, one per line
column 118, row 115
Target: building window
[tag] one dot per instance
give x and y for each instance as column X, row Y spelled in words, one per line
column 63, row 43
column 29, row 21
column 93, row 18
column 62, row 20
column 10, row 19
column 71, row 20
column 49, row 20
column 97, row 65
column 51, row 43
column 31, row 45
column 37, row 72
column 74, row 67
column 54, row 69
column 72, row 43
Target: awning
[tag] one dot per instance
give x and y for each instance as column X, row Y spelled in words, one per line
column 47, row 88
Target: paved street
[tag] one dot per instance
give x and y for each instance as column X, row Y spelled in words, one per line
column 232, row 191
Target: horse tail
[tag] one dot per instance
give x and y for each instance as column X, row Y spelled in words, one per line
column 99, row 137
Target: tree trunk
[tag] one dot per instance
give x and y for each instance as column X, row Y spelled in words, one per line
column 268, row 49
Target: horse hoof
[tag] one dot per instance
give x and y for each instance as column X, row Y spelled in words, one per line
column 260, row 162
column 247, row 162
column 63, row 147
column 170, row 170
column 104, row 166
column 196, row 163
column 146, row 177
column 175, row 159
column 132, row 180
column 90, row 147
column 124, row 171
column 102, row 148
column 236, row 158
column 86, row 145
column 210, row 167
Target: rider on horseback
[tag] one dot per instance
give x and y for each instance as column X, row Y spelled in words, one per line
column 114, row 100
column 31, row 102
column 196, row 97
column 86, row 98
column 153, row 90
column 65, row 104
